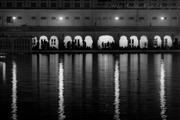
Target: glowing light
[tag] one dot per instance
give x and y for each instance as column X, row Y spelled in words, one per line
column 162, row 18
column 14, row 18
column 162, row 92
column 14, row 92
column 116, row 18
column 117, row 92
column 61, row 92
column 60, row 18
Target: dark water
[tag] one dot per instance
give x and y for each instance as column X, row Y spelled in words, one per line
column 90, row 87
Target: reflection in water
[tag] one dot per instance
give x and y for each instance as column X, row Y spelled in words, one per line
column 117, row 91
column 3, row 65
column 61, row 89
column 14, row 92
column 162, row 92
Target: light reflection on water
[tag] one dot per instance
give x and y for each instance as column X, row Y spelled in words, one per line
column 14, row 91
column 3, row 70
column 117, row 91
column 163, row 105
column 61, row 89
column 91, row 86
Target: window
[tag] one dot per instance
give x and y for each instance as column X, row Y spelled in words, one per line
column 121, row 18
column 87, row 18
column 174, row 18
column 43, row 18
column 154, row 18
column 141, row 18
column 104, row 18
column 9, row 19
column 53, row 18
column 131, row 18
column 67, row 18
column 77, row 18
column 33, row 18
column 19, row 17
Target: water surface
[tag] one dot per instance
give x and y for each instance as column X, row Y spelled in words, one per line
column 90, row 87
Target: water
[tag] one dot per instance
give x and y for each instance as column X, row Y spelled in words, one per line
column 90, row 87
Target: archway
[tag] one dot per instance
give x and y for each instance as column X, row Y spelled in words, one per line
column 133, row 41
column 167, row 41
column 43, row 42
column 105, row 41
column 157, row 43
column 123, row 42
column 34, row 42
column 78, row 41
column 143, row 42
column 54, row 43
column 176, row 42
column 67, row 41
column 88, row 42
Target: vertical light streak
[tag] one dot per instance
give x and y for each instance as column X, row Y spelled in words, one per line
column 3, row 64
column 14, row 92
column 163, row 106
column 61, row 91
column 4, row 72
column 117, row 92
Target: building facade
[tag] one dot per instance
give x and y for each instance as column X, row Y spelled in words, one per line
column 90, row 4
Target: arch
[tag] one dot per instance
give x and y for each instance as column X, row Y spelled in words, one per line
column 167, row 41
column 157, row 41
column 143, row 42
column 176, row 42
column 133, row 41
column 78, row 41
column 89, row 41
column 105, row 41
column 123, row 42
column 67, row 41
column 43, row 42
column 54, row 42
column 34, row 42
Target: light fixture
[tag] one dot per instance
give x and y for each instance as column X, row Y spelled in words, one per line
column 116, row 18
column 60, row 18
column 162, row 18
column 14, row 18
